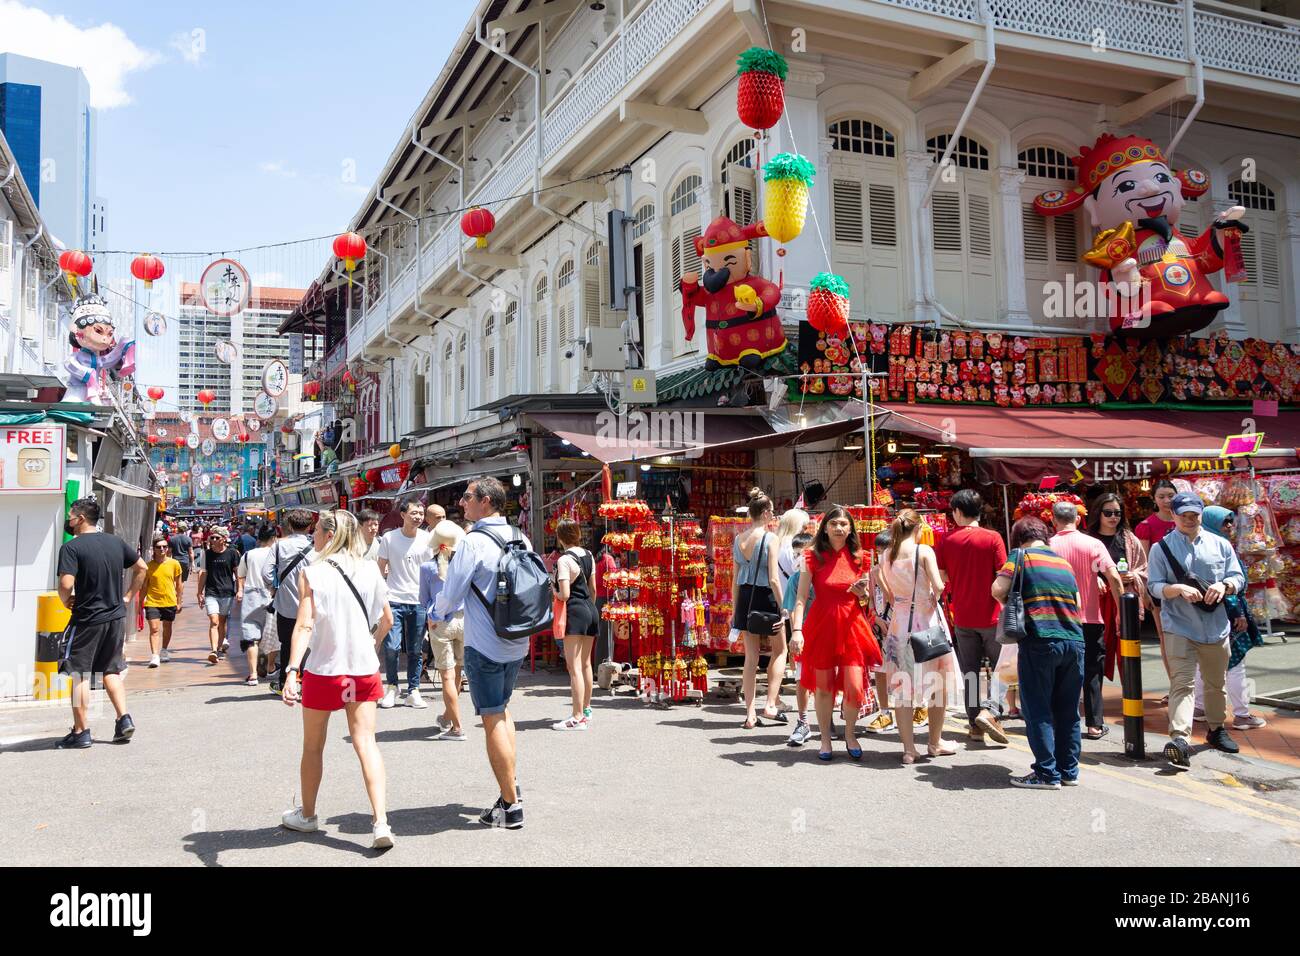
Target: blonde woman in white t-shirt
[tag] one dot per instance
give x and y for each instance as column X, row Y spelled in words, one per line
column 342, row 607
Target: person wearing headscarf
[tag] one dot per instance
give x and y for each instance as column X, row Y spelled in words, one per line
column 1245, row 635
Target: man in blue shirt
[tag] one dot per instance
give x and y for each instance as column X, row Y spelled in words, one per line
column 491, row 663
column 1195, row 623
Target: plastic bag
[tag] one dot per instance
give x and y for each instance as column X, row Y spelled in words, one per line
column 1007, row 668
column 1239, row 492
column 1256, row 532
column 1284, row 493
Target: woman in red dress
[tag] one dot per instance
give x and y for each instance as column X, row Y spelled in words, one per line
column 839, row 648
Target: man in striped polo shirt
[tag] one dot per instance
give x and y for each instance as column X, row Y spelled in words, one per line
column 1051, row 655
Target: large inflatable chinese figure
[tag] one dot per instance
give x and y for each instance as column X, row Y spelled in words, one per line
column 95, row 352
column 740, row 319
column 1157, row 279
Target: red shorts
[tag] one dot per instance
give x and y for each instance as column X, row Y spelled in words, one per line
column 320, row 692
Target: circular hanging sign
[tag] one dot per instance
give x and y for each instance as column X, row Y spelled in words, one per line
column 209, row 446
column 192, row 439
column 275, row 378
column 265, row 405
column 187, row 417
column 162, row 433
column 225, row 287
column 220, row 429
column 253, row 424
column 205, row 481
column 155, row 324
column 197, row 469
column 226, row 352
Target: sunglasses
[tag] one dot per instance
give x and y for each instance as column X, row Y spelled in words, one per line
column 469, row 496
column 1111, row 514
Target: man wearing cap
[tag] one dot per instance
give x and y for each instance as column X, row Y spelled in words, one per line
column 1190, row 572
column 1130, row 193
column 740, row 309
column 219, row 588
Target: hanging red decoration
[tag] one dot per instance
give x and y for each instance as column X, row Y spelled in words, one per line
column 206, row 397
column 147, row 268
column 476, row 224
column 311, row 391
column 234, row 473
column 349, row 380
column 152, row 439
column 154, row 392
column 351, row 248
column 179, row 441
column 286, row 429
column 828, row 303
column 372, row 476
column 606, row 484
column 760, row 94
column 185, row 476
column 217, row 477
column 360, row 487
column 75, row 263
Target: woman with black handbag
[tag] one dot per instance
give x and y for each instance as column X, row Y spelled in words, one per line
column 757, row 611
column 920, row 664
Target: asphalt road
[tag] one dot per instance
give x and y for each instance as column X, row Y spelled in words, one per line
column 212, row 767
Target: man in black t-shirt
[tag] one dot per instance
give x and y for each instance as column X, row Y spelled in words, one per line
column 217, row 588
column 90, row 584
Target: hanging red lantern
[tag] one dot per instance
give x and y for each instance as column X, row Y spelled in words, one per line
column 154, row 392
column 75, row 263
column 351, row 248
column 179, row 441
column 286, row 429
column 760, row 94
column 476, row 224
column 310, row 391
column 152, row 439
column 217, row 477
column 147, row 268
column 372, row 476
column 185, row 476
column 206, row 397
column 234, row 474
column 349, row 381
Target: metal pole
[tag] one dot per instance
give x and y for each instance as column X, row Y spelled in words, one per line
column 868, row 439
column 1130, row 655
column 1006, row 512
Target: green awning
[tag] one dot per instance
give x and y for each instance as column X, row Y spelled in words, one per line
column 54, row 415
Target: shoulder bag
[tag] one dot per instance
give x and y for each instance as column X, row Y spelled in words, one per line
column 760, row 623
column 365, row 611
column 293, row 563
column 932, row 642
column 1192, row 581
column 1012, row 625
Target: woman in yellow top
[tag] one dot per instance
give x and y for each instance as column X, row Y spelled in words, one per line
column 162, row 584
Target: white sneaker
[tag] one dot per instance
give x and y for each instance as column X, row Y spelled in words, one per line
column 571, row 723
column 153, row 661
column 294, row 820
column 413, row 699
column 586, row 714
column 443, row 723
column 390, row 698
column 165, row 656
column 457, row 736
column 383, row 837
column 1249, row 722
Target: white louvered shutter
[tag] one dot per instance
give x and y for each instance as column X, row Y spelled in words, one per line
column 981, row 284
column 647, row 278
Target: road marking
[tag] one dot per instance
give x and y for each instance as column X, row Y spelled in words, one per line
column 1191, row 789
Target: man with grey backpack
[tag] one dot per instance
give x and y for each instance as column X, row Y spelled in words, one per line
column 504, row 589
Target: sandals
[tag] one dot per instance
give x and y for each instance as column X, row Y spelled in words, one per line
column 1098, row 735
column 212, row 659
column 779, row 717
column 750, row 724
column 251, row 682
column 909, row 759
column 944, row 750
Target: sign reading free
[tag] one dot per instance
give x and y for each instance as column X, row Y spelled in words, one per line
column 32, row 458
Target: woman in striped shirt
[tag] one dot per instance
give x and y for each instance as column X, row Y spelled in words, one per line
column 1051, row 655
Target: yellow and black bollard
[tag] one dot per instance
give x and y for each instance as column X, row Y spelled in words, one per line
column 51, row 621
column 1130, row 656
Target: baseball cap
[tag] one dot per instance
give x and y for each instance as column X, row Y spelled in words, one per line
column 1186, row 501
column 223, row 533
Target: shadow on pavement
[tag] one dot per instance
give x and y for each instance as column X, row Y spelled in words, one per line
column 948, row 776
column 265, row 697
column 208, row 845
column 414, row 821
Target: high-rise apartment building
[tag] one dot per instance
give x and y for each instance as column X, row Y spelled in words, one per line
column 46, row 116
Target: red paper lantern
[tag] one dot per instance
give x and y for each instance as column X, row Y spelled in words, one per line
column 351, row 248
column 206, row 396
column 185, row 476
column 75, row 263
column 217, row 477
column 154, row 392
column 286, row 429
column 476, row 224
column 179, row 442
column 234, row 473
column 152, row 439
column 147, row 269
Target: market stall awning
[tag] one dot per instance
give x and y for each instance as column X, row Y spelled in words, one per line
column 124, row 487
column 1024, row 445
column 640, row 435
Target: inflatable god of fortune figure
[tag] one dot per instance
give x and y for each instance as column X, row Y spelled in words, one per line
column 742, row 325
column 1156, row 280
column 95, row 352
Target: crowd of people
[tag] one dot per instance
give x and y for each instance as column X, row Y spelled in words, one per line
column 329, row 607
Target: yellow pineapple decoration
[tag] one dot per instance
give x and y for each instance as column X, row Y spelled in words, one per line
column 787, row 177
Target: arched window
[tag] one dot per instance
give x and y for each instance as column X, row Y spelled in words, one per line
column 961, row 215
column 1051, row 244
column 1260, row 298
column 644, row 256
column 595, row 278
column 564, row 312
column 739, row 186
column 865, row 178
column 684, row 228
column 509, row 335
column 643, row 219
column 490, row 353
column 540, row 315
column 861, row 136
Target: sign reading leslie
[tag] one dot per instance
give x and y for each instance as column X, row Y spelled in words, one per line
column 31, row 458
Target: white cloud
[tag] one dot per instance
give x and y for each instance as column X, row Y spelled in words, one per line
column 104, row 52
column 278, row 168
column 191, row 45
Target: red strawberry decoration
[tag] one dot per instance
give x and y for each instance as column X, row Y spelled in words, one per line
column 828, row 303
column 760, row 95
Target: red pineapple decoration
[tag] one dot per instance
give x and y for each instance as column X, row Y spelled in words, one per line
column 828, row 303
column 760, row 95
column 147, row 268
column 476, row 224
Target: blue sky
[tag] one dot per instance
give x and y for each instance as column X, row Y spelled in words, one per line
column 225, row 126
